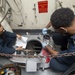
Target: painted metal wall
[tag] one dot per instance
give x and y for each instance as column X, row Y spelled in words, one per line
column 28, row 16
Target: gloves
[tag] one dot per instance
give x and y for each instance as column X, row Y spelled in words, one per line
column 44, row 44
column 44, row 31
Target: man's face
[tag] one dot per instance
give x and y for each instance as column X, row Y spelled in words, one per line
column 69, row 30
column 1, row 29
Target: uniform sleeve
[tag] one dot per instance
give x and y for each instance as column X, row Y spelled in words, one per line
column 68, row 50
column 6, row 50
column 9, row 34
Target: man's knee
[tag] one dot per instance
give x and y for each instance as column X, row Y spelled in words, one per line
column 11, row 51
column 57, row 66
column 52, row 63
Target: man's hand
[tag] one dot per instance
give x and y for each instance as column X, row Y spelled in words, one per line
column 44, row 31
column 54, row 52
column 19, row 36
column 19, row 48
column 44, row 44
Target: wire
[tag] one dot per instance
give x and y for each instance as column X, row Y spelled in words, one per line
column 18, row 6
column 60, row 3
column 20, row 11
column 4, row 16
column 8, row 3
column 12, row 8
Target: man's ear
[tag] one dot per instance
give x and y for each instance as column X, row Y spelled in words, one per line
column 64, row 29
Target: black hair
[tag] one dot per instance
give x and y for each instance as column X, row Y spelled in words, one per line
column 62, row 17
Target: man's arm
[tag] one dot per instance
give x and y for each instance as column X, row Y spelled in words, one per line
column 9, row 34
column 48, row 25
column 51, row 50
column 44, row 30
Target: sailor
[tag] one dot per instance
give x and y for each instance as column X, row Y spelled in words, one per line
column 7, row 40
column 63, row 21
column 56, row 36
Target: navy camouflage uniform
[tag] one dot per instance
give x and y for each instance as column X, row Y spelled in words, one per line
column 7, row 40
column 63, row 63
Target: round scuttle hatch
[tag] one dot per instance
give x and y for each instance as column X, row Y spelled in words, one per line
column 34, row 45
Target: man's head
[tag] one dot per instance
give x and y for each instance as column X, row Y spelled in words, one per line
column 63, row 20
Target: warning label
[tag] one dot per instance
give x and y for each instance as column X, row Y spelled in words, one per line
column 43, row 6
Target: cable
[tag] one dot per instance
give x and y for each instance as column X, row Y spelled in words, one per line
column 12, row 8
column 60, row 3
column 8, row 3
column 4, row 16
column 18, row 6
column 19, row 11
